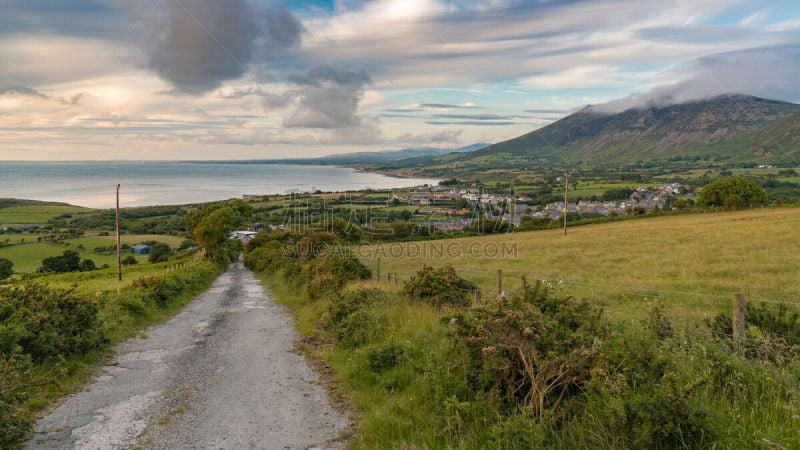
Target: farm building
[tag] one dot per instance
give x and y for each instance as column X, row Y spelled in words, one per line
column 141, row 249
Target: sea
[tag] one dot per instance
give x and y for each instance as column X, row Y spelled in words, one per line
column 94, row 184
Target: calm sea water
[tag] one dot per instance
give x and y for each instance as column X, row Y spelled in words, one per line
column 165, row 183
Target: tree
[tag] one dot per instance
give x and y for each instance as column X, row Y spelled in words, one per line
column 69, row 261
column 680, row 204
column 129, row 260
column 732, row 193
column 6, row 268
column 212, row 231
column 159, row 252
column 88, row 265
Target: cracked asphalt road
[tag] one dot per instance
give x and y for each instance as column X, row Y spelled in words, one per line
column 220, row 374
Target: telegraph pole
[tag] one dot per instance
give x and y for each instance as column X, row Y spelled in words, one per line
column 119, row 254
column 566, row 189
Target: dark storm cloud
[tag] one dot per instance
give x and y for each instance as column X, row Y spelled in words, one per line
column 198, row 44
column 327, row 97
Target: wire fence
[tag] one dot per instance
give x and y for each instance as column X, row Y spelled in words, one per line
column 777, row 320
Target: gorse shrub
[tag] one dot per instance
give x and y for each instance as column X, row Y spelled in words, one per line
column 356, row 317
column 315, row 262
column 352, row 301
column 45, row 323
column 14, row 420
column 534, row 349
column 385, row 357
column 440, row 287
column 550, row 369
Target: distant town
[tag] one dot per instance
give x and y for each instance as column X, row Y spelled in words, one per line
column 513, row 209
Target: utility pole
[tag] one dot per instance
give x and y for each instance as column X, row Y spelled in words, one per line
column 566, row 189
column 119, row 254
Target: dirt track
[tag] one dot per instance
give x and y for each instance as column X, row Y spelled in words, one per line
column 221, row 374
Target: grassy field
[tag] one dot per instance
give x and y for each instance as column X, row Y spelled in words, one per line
column 28, row 256
column 692, row 264
column 36, row 214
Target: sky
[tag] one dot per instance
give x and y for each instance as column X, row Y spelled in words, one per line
column 261, row 79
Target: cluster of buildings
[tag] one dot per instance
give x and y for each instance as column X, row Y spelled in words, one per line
column 513, row 208
column 641, row 199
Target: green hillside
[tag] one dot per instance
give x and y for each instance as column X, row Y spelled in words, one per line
column 729, row 129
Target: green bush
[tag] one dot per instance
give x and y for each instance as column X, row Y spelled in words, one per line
column 353, row 301
column 534, row 349
column 161, row 289
column 385, row 357
column 159, row 252
column 440, row 287
column 6, row 268
column 45, row 323
column 327, row 274
column 15, row 423
column 356, row 318
column 129, row 260
column 361, row 327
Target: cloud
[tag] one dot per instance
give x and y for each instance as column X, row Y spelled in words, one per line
column 449, row 106
column 769, row 72
column 196, row 45
column 328, row 97
column 472, row 116
column 442, row 137
column 21, row 90
column 473, row 123
column 549, row 111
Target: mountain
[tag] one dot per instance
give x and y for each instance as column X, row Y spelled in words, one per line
column 731, row 128
column 393, row 155
column 365, row 158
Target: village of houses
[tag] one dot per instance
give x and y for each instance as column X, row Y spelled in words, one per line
column 513, row 209
column 436, row 208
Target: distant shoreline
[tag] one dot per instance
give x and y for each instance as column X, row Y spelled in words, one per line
column 146, row 183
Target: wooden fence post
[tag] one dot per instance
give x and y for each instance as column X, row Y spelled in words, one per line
column 477, row 297
column 738, row 320
column 396, row 283
column 378, row 270
column 499, row 281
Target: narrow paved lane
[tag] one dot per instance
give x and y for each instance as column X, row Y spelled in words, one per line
column 221, row 374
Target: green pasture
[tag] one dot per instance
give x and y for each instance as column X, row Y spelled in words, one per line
column 38, row 214
column 27, row 254
column 690, row 264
